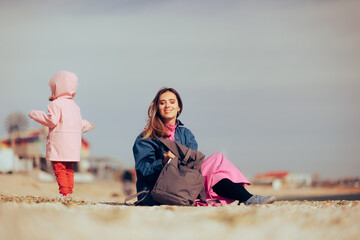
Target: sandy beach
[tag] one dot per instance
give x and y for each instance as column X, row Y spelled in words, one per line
column 28, row 211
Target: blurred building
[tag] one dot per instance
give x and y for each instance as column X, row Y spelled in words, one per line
column 278, row 179
column 106, row 168
column 28, row 152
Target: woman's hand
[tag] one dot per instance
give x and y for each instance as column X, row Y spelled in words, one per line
column 167, row 156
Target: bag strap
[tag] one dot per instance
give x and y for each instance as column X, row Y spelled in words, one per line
column 171, row 145
column 202, row 194
column 176, row 148
column 134, row 196
column 187, row 155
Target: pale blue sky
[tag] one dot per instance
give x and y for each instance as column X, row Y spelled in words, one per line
column 274, row 85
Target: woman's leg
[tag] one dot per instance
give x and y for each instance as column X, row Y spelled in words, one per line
column 228, row 189
column 218, row 169
column 59, row 170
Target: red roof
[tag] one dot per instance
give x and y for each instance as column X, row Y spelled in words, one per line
column 276, row 174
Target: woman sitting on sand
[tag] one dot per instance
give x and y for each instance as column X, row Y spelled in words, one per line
column 223, row 181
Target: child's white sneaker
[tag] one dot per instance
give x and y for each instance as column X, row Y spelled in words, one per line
column 68, row 197
column 61, row 197
column 64, row 198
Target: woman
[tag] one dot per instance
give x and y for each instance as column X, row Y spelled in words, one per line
column 223, row 181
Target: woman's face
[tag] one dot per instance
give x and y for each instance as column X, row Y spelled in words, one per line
column 168, row 107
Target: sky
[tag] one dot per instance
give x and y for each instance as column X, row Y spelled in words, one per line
column 273, row 85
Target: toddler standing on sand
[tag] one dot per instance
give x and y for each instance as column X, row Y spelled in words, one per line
column 65, row 124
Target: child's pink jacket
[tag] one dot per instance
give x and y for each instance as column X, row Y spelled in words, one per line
column 64, row 120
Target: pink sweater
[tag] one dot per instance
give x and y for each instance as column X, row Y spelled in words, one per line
column 171, row 131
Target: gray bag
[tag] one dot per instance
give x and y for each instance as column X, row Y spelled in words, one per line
column 180, row 181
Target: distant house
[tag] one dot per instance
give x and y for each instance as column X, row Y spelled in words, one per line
column 105, row 168
column 279, row 178
column 28, row 152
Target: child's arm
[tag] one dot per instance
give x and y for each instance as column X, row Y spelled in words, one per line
column 86, row 126
column 50, row 120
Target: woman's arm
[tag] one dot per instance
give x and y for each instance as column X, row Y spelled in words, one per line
column 146, row 161
column 49, row 120
column 190, row 140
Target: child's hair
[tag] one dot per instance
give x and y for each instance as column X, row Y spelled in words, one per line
column 155, row 126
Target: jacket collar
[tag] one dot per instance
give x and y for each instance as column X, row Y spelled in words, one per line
column 179, row 123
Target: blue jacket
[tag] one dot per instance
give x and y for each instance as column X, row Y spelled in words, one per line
column 149, row 153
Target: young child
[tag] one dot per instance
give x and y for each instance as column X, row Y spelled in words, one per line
column 65, row 127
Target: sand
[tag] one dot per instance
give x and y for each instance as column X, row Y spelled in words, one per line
column 28, row 211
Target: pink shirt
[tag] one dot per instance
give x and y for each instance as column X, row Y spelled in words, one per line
column 171, row 131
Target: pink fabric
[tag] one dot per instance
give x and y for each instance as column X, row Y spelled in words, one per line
column 215, row 168
column 171, row 131
column 63, row 119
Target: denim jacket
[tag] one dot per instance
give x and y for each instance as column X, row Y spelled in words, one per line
column 149, row 153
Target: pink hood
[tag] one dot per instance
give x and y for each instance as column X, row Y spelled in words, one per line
column 64, row 83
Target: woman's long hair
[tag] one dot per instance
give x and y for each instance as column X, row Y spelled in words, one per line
column 155, row 127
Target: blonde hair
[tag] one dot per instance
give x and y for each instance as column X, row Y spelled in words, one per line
column 155, row 127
